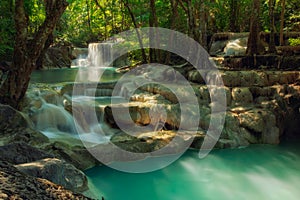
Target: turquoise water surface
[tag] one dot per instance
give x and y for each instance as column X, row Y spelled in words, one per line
column 70, row 74
column 258, row 172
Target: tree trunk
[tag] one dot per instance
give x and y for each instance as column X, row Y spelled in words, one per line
column 192, row 25
column 15, row 83
column 105, row 18
column 152, row 37
column 282, row 22
column 233, row 17
column 254, row 45
column 144, row 57
column 175, row 16
column 203, row 25
column 272, row 46
column 88, row 14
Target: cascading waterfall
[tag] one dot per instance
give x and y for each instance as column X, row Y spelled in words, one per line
column 52, row 118
column 100, row 54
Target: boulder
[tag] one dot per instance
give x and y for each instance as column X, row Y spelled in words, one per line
column 17, row 185
column 16, row 126
column 11, row 118
column 56, row 171
column 20, row 152
column 57, row 57
column 76, row 155
column 262, row 124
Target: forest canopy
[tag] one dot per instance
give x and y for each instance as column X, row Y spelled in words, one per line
column 86, row 21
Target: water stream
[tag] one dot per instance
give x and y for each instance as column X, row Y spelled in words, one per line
column 54, row 120
column 259, row 172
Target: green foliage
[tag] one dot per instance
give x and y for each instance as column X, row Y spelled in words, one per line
column 294, row 41
column 35, row 10
column 87, row 21
column 7, row 30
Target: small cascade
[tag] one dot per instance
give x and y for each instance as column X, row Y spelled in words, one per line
column 52, row 118
column 100, row 54
column 81, row 61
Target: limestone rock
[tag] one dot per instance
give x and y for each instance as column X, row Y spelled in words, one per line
column 261, row 123
column 56, row 171
column 241, row 96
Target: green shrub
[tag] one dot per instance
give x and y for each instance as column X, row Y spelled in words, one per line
column 294, row 41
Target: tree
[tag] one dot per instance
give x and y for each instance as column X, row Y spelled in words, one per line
column 254, row 45
column 7, row 31
column 282, row 22
column 152, row 35
column 126, row 4
column 26, row 52
column 234, row 15
column 272, row 47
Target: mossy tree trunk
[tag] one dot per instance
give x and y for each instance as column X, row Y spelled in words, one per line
column 14, row 83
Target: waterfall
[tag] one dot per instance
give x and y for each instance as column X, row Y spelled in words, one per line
column 100, row 54
column 55, row 119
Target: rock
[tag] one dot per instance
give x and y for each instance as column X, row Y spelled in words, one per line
column 27, row 135
column 17, row 185
column 231, row 78
column 57, row 57
column 76, row 155
column 56, row 171
column 16, row 126
column 241, row 96
column 11, row 118
column 77, row 52
column 150, row 142
column 262, row 124
column 220, row 41
column 236, row 47
column 20, row 152
column 195, row 76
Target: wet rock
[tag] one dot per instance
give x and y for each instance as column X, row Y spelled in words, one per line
column 56, row 171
